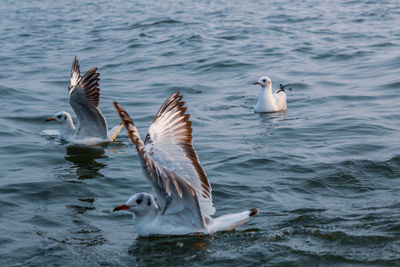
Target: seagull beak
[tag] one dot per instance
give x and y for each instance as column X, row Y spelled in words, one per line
column 122, row 207
column 50, row 119
column 256, row 83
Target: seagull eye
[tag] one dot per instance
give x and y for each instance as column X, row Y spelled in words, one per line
column 264, row 80
column 138, row 201
column 59, row 116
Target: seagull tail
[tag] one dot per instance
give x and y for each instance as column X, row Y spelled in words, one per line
column 282, row 88
column 229, row 222
column 114, row 132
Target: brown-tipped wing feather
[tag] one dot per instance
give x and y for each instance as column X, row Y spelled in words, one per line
column 90, row 84
column 175, row 195
column 169, row 142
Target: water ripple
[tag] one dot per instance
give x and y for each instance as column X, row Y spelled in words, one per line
column 324, row 174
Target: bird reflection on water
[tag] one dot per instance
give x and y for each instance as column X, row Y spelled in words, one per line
column 85, row 160
column 272, row 118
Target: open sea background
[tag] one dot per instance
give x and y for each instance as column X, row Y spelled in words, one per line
column 325, row 174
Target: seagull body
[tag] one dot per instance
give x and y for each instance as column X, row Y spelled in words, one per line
column 183, row 202
column 267, row 101
column 84, row 99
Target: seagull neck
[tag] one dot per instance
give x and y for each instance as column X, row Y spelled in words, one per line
column 266, row 92
column 145, row 215
column 68, row 127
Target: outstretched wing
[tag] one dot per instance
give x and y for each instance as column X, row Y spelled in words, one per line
column 170, row 142
column 84, row 100
column 174, row 194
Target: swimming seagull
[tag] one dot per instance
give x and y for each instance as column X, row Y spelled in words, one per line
column 183, row 202
column 84, row 98
column 267, row 101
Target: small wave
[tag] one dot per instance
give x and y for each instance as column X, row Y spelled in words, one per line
column 166, row 21
column 222, row 65
column 148, row 24
column 351, row 176
column 341, row 55
column 393, row 85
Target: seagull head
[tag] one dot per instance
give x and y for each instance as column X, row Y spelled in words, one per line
column 264, row 82
column 138, row 203
column 61, row 117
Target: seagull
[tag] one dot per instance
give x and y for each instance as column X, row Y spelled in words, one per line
column 267, row 101
column 84, row 97
column 183, row 203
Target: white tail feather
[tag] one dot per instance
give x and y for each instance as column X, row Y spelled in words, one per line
column 231, row 221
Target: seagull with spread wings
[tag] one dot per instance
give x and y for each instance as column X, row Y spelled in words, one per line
column 84, row 98
column 183, row 202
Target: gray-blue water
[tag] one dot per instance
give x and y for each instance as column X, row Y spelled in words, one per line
column 325, row 174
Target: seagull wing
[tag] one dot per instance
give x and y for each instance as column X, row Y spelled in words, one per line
column 280, row 98
column 84, row 100
column 170, row 142
column 174, row 194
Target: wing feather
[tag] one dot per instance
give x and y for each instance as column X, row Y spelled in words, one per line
column 75, row 73
column 280, row 98
column 170, row 142
column 90, row 82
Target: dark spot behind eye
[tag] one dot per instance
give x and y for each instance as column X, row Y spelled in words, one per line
column 148, row 202
column 138, row 201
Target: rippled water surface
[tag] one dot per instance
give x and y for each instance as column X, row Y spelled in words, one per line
column 325, row 174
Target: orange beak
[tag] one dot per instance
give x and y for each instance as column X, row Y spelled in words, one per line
column 256, row 83
column 121, row 207
column 50, row 119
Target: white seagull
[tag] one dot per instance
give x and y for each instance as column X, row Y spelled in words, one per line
column 84, row 97
column 183, row 202
column 267, row 101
